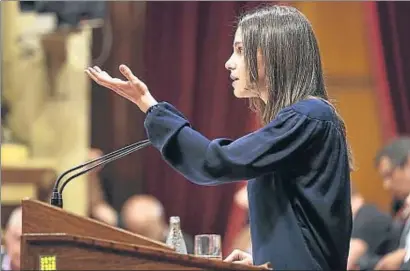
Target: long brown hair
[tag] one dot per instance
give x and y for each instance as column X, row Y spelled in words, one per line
column 292, row 62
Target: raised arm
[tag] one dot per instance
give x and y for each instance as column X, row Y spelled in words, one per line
column 218, row 161
column 212, row 162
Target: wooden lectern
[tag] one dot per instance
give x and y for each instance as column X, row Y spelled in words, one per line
column 54, row 239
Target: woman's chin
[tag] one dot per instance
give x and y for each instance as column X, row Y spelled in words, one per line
column 240, row 93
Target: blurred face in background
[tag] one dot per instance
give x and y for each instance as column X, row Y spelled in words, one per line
column 94, row 154
column 12, row 237
column 396, row 179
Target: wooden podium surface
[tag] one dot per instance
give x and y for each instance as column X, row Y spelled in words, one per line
column 54, row 239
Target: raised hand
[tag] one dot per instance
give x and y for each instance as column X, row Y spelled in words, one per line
column 133, row 89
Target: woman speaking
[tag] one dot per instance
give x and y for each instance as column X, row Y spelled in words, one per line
column 298, row 164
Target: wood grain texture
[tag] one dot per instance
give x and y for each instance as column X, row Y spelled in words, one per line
column 74, row 252
column 39, row 217
column 80, row 243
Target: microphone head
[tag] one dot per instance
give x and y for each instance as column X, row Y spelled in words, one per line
column 56, row 199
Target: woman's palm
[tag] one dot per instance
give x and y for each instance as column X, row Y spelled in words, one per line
column 133, row 89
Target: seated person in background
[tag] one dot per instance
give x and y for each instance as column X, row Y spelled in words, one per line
column 144, row 215
column 10, row 257
column 405, row 235
column 370, row 234
column 393, row 165
column 397, row 208
column 99, row 208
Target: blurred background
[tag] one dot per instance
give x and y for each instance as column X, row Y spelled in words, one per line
column 53, row 117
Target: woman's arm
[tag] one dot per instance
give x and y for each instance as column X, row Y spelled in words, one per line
column 212, row 162
column 218, row 161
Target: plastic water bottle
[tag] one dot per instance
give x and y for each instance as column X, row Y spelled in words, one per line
column 175, row 239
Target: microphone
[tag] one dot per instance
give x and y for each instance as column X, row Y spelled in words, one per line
column 56, row 198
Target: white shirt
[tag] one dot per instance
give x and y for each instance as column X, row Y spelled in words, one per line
column 407, row 244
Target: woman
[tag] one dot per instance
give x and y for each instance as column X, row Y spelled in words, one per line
column 299, row 162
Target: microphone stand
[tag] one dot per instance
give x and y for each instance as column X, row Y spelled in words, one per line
column 56, row 198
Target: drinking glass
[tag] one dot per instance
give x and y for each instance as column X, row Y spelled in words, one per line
column 208, row 246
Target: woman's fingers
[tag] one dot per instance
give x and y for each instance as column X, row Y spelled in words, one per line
column 113, row 87
column 97, row 68
column 96, row 76
column 100, row 77
column 267, row 266
column 234, row 256
column 87, row 71
column 130, row 76
column 131, row 89
column 104, row 79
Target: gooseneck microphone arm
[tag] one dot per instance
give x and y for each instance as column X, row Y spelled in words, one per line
column 108, row 160
column 56, row 199
column 56, row 185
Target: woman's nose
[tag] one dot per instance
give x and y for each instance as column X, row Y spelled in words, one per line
column 229, row 65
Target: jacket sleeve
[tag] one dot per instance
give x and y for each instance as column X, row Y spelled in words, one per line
column 212, row 162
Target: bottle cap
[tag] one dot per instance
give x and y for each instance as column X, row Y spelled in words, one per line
column 174, row 220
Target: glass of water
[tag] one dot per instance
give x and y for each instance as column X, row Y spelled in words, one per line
column 208, row 246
